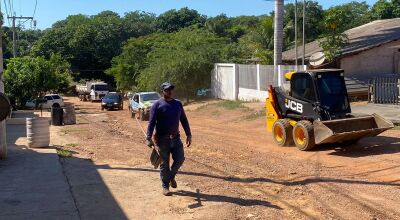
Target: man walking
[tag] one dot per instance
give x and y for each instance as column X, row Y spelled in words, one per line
column 165, row 115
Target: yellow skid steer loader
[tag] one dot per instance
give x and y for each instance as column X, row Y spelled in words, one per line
column 316, row 110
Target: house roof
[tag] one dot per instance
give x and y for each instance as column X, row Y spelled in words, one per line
column 360, row 39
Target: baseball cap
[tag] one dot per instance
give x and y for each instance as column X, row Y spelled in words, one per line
column 167, row 86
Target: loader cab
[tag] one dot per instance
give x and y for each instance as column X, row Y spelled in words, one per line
column 302, row 87
column 323, row 88
column 332, row 92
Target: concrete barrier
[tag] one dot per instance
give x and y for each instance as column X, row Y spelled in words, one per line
column 69, row 115
column 38, row 132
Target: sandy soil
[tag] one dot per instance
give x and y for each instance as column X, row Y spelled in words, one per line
column 234, row 171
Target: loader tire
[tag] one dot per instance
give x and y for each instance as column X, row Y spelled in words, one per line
column 282, row 132
column 303, row 135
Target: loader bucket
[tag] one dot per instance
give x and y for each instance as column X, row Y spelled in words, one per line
column 350, row 128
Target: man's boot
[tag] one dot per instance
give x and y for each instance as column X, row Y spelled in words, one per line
column 166, row 192
column 173, row 183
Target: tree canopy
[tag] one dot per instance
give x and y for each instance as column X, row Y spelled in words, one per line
column 140, row 49
column 29, row 77
column 184, row 58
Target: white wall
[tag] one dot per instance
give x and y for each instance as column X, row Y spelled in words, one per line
column 252, row 95
column 225, row 81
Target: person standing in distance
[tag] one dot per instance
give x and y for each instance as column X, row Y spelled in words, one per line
column 165, row 115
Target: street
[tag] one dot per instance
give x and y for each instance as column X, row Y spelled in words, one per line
column 232, row 171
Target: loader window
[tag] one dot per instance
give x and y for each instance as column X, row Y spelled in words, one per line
column 303, row 88
column 332, row 92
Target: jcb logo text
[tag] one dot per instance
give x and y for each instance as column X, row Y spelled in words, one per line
column 298, row 107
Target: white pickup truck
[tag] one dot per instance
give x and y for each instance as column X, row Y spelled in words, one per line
column 93, row 91
column 140, row 104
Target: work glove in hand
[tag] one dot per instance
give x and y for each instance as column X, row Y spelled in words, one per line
column 149, row 143
column 188, row 141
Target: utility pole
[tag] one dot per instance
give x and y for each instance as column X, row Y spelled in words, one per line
column 278, row 34
column 304, row 32
column 3, row 136
column 295, row 32
column 14, row 18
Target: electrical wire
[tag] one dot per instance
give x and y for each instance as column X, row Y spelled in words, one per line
column 12, row 7
column 34, row 10
column 7, row 13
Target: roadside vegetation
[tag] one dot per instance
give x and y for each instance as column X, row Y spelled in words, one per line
column 228, row 104
column 64, row 153
column 139, row 50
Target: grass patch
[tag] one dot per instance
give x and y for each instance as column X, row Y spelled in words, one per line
column 396, row 127
column 203, row 106
column 72, row 145
column 64, row 153
column 73, row 130
column 255, row 115
column 229, row 104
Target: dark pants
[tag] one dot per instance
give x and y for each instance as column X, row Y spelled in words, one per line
column 166, row 147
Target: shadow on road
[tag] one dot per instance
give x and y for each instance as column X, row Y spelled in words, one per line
column 93, row 198
column 202, row 197
column 35, row 186
column 370, row 146
column 305, row 181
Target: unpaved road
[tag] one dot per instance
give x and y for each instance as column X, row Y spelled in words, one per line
column 232, row 171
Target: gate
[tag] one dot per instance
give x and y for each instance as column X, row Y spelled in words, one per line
column 223, row 81
column 384, row 90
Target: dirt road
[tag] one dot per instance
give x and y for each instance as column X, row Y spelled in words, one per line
column 232, row 171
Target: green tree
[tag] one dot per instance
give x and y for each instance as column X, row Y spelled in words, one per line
column 242, row 25
column 185, row 59
column 138, row 23
column 258, row 44
column 385, row 9
column 174, row 20
column 27, row 77
column 88, row 43
column 127, row 66
column 354, row 14
column 219, row 25
column 334, row 39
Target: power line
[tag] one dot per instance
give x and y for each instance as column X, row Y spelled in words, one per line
column 7, row 13
column 12, row 6
column 34, row 11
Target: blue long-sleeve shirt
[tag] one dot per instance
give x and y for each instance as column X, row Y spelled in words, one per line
column 165, row 117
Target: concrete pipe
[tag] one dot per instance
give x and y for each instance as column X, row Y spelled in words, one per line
column 38, row 132
column 69, row 115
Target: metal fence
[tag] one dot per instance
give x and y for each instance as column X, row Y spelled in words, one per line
column 384, row 90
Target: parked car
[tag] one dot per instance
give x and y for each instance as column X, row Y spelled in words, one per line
column 140, row 104
column 47, row 102
column 113, row 100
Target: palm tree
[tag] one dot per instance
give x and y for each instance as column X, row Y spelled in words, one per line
column 278, row 34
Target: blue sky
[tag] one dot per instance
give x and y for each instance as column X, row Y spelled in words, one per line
column 50, row 11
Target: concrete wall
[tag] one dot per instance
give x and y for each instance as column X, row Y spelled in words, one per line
column 225, row 80
column 384, row 59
